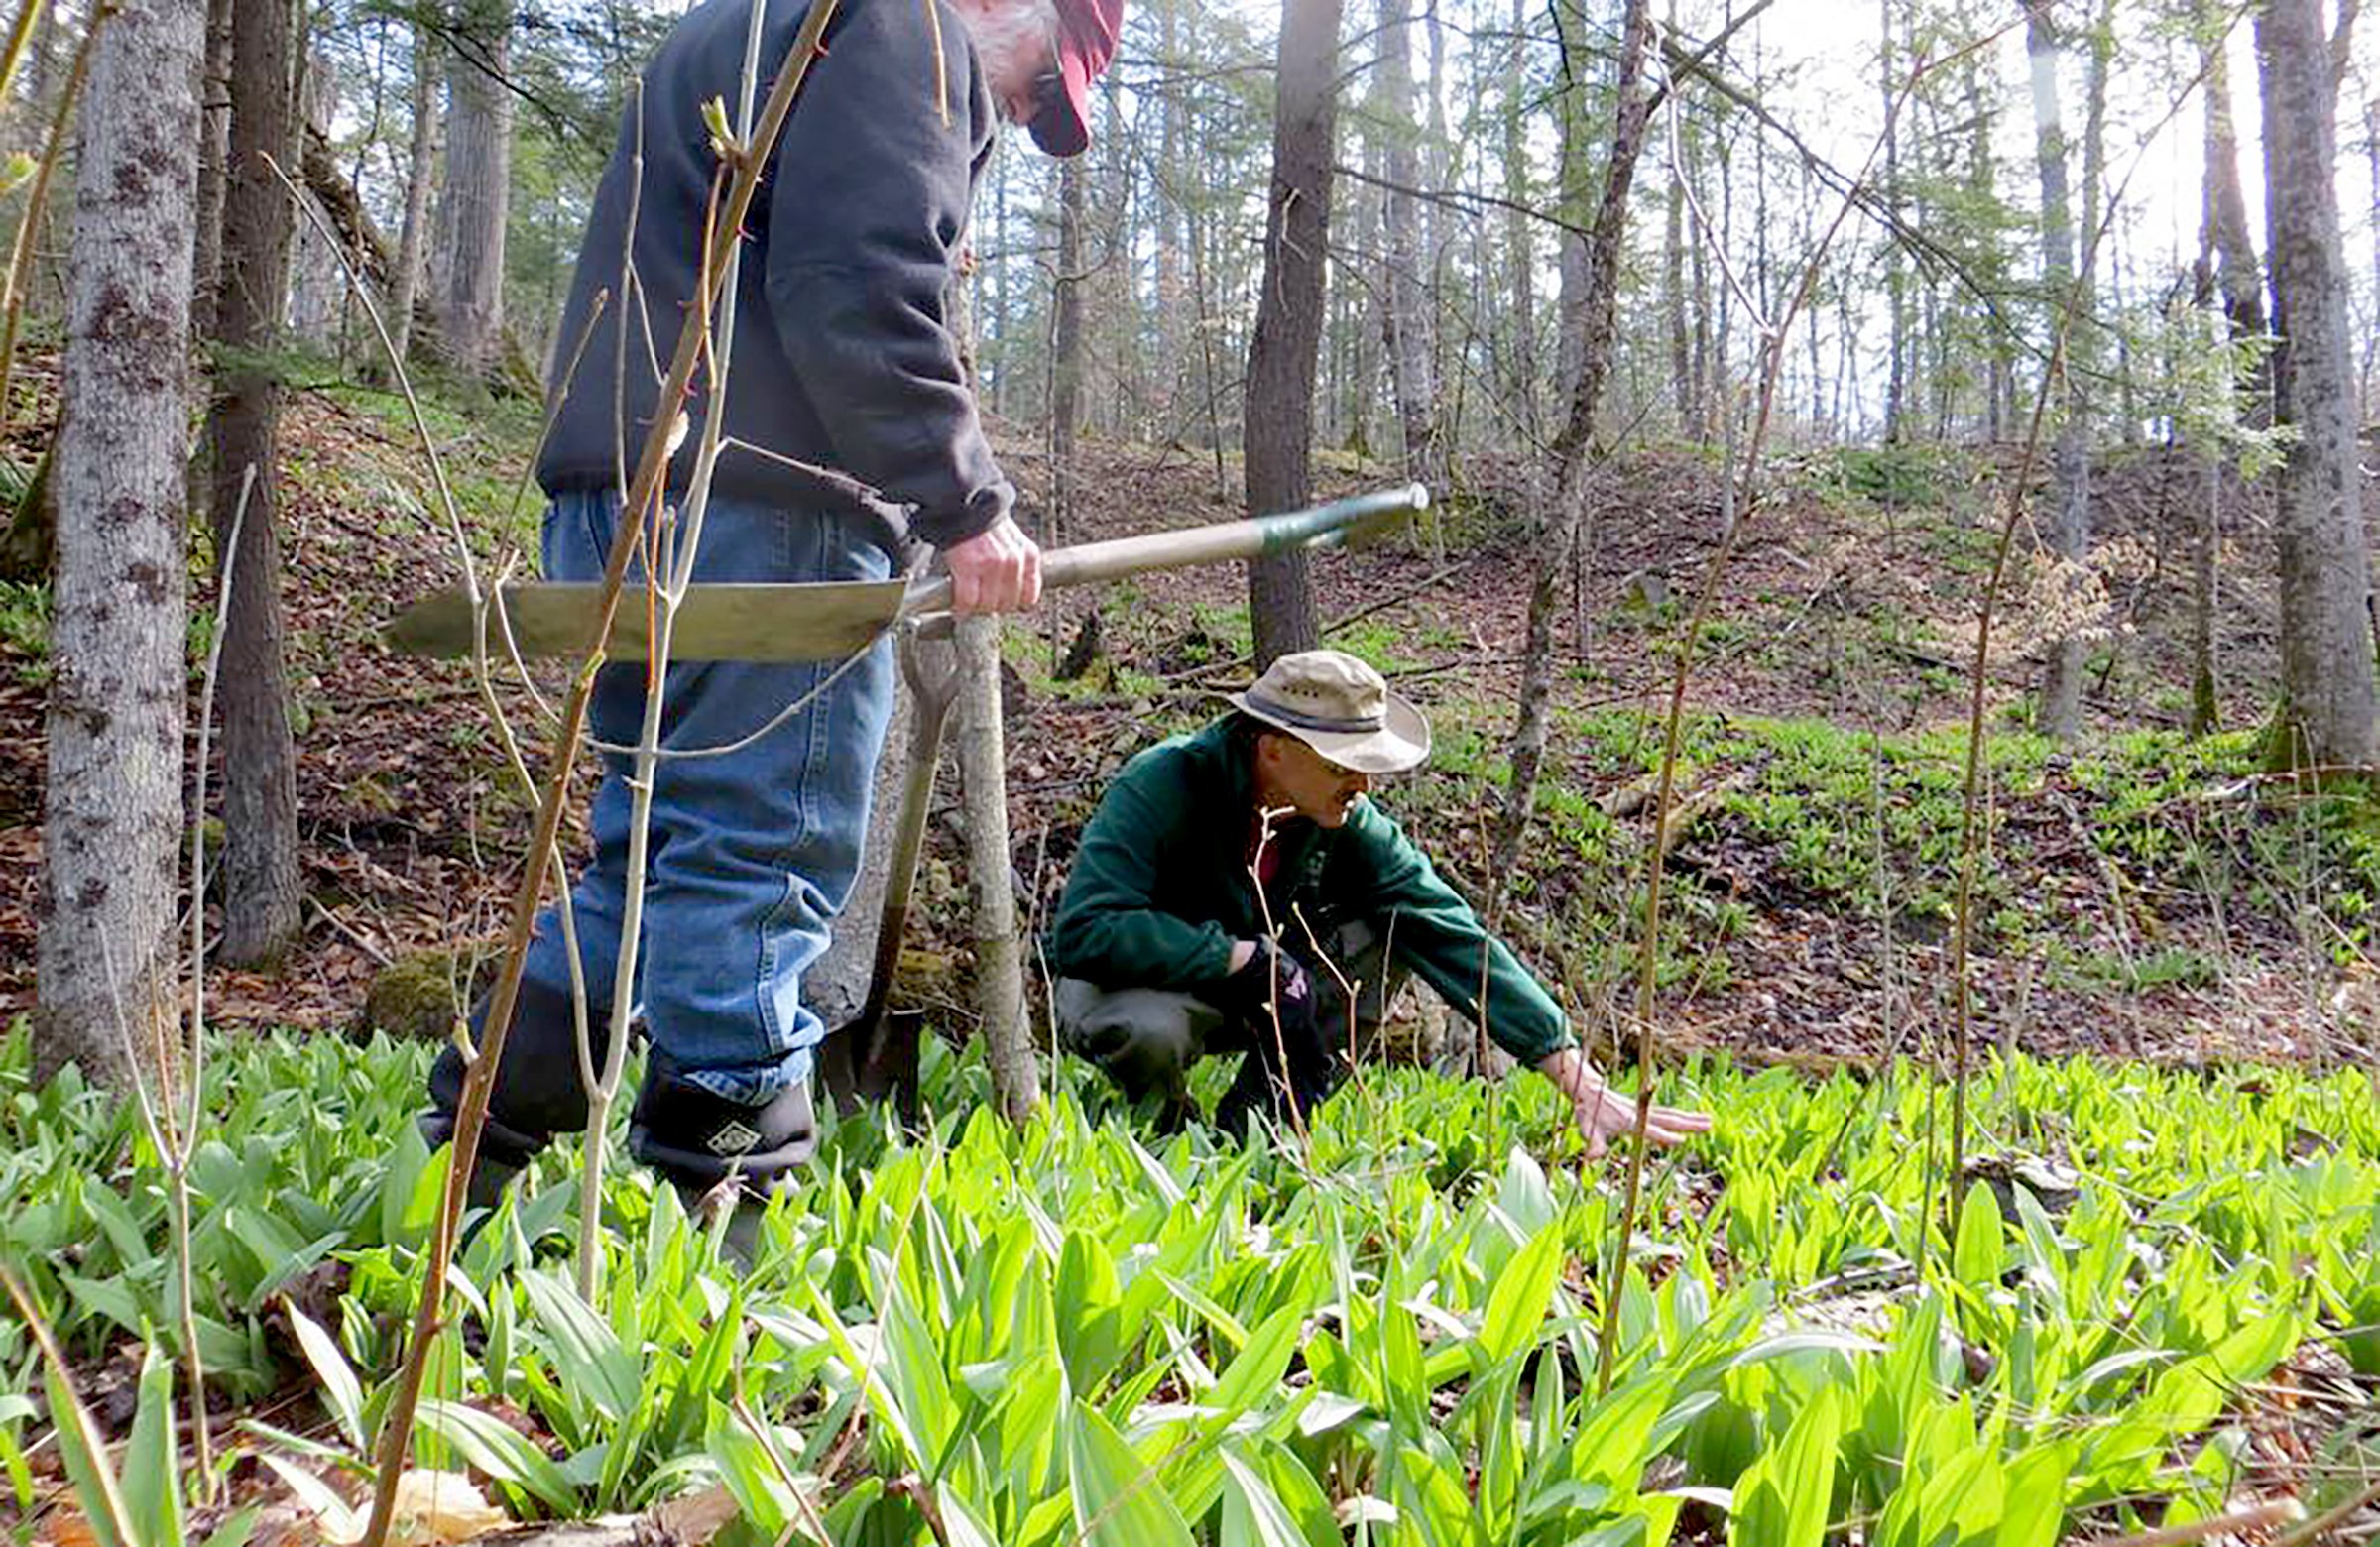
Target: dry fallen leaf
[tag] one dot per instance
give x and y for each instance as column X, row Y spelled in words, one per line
column 66, row 1527
column 693, row 1520
column 431, row 1510
column 440, row 1508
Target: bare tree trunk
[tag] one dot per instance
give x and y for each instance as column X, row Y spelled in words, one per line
column 112, row 820
column 262, row 892
column 2325, row 577
column 2206, row 697
column 998, row 953
column 1405, row 316
column 479, row 150
column 214, row 139
column 1520, row 256
column 2061, row 710
column 1066, row 343
column 1673, row 299
column 2371, row 342
column 1707, row 390
column 1574, row 450
column 1172, row 265
column 2224, row 229
column 1278, row 436
column 1896, row 280
column 420, row 173
column 316, row 283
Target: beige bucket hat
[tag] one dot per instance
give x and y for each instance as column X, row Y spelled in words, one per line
column 1342, row 708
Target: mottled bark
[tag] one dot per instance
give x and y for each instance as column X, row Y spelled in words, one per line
column 420, row 173
column 1278, row 436
column 257, row 872
column 477, row 189
column 1574, row 454
column 2059, row 714
column 999, row 948
column 1896, row 278
column 214, row 141
column 1520, row 242
column 1405, row 316
column 1066, row 343
column 2327, row 681
column 112, row 820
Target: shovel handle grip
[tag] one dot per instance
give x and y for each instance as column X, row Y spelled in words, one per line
column 1089, row 564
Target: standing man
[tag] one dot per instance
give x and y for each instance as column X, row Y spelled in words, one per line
column 1231, row 878
column 843, row 358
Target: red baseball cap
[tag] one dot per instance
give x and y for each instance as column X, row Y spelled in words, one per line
column 1087, row 32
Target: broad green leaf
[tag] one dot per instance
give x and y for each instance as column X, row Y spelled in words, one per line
column 2035, row 1505
column 152, row 1459
column 1252, row 1514
column 338, row 1521
column 1784, row 1499
column 959, row 1526
column 84, row 1450
column 1978, row 1254
column 341, row 1392
column 1118, row 1501
column 1254, row 1375
column 1516, row 1306
column 496, row 1449
column 586, row 1352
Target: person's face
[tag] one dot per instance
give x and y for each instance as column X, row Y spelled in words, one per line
column 1018, row 46
column 1294, row 774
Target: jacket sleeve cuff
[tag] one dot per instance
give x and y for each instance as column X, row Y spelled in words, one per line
column 947, row 529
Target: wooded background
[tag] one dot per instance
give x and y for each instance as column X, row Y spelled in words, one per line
column 1493, row 243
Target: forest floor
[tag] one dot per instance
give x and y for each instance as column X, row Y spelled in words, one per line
column 2142, row 893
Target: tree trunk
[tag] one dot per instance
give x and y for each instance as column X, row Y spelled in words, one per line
column 1673, row 299
column 2061, row 710
column 1278, row 436
column 1574, row 450
column 112, row 820
column 421, row 172
column 998, row 952
column 1405, row 317
column 1172, row 265
column 2225, row 213
column 479, row 152
column 1896, row 281
column 2328, row 712
column 317, row 280
column 2206, row 696
column 2371, row 150
column 214, row 140
column 1065, row 379
column 260, row 889
column 1520, row 242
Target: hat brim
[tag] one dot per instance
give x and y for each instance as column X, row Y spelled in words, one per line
column 1401, row 745
column 1063, row 128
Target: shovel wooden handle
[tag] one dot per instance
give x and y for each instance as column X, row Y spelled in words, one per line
column 1089, row 564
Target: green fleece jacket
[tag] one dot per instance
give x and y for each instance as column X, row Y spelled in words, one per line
column 1160, row 890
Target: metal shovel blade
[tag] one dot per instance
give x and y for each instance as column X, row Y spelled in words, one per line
column 823, row 621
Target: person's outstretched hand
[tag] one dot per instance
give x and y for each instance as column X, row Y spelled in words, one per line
column 1604, row 1114
column 999, row 569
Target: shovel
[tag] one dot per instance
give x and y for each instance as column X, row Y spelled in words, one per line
column 829, row 620
column 875, row 1055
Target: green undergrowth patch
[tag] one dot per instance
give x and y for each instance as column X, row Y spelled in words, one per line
column 1076, row 1329
column 2152, row 829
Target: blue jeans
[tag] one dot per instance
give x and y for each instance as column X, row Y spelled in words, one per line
column 750, row 855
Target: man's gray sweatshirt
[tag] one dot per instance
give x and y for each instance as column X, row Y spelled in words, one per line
column 843, row 356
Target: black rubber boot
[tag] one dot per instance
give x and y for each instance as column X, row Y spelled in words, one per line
column 538, row 1092
column 699, row 1141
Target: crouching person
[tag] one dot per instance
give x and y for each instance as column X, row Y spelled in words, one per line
column 1233, row 877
